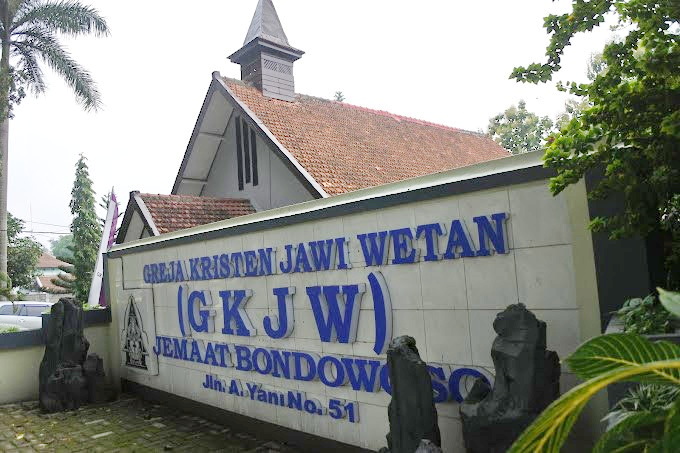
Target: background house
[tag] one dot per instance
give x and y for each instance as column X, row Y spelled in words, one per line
column 48, row 268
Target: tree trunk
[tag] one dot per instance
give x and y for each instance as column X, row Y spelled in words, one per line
column 4, row 147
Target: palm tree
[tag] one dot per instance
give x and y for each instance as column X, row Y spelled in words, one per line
column 28, row 35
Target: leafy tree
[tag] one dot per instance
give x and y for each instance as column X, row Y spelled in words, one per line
column 574, row 107
column 23, row 254
column 519, row 130
column 29, row 32
column 339, row 96
column 85, row 229
column 631, row 129
column 62, row 248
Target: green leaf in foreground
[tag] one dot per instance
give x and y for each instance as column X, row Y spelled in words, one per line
column 549, row 431
column 637, row 431
column 670, row 300
column 609, row 352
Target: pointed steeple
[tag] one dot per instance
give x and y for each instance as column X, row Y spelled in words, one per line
column 266, row 25
column 266, row 57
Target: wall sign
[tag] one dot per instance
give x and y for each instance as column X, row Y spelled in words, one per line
column 335, row 308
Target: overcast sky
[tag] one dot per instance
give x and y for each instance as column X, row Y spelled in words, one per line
column 437, row 60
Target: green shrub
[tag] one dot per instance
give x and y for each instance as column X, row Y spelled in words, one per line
column 9, row 330
column 645, row 316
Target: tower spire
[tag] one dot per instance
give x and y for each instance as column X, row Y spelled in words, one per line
column 266, row 25
column 266, row 57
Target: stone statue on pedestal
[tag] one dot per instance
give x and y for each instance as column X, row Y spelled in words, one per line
column 527, row 381
column 412, row 414
column 68, row 377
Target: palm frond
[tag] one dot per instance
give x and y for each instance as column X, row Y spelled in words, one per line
column 29, row 68
column 67, row 17
column 49, row 49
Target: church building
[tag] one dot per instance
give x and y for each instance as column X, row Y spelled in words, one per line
column 259, row 145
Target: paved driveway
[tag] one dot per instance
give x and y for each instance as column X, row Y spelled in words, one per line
column 127, row 425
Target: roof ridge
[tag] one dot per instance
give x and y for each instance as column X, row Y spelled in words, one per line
column 398, row 117
column 394, row 116
column 193, row 196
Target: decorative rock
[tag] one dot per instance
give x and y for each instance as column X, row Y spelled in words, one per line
column 527, row 381
column 412, row 414
column 64, row 384
column 427, row 446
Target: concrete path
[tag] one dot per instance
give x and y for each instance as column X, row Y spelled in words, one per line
column 127, row 425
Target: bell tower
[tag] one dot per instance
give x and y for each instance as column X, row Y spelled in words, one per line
column 266, row 57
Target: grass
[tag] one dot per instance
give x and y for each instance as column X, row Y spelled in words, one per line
column 9, row 330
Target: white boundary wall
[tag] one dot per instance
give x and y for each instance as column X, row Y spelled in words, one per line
column 448, row 306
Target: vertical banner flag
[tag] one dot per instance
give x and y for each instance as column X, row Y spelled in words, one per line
column 96, row 296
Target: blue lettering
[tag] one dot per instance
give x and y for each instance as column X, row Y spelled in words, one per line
column 262, row 362
column 180, row 347
column 243, row 362
column 305, row 371
column 343, row 253
column 488, row 233
column 287, row 266
column 235, row 387
column 237, row 260
column 431, row 232
column 438, row 378
column 206, row 324
column 266, row 260
column 251, row 263
column 295, row 400
column 280, row 363
column 360, row 378
column 225, row 269
column 332, row 322
column 375, row 248
column 326, row 374
column 210, row 358
column 402, row 240
column 193, row 265
column 284, row 327
column 458, row 238
column 195, row 352
column 322, row 254
column 233, row 303
column 179, row 274
column 301, row 260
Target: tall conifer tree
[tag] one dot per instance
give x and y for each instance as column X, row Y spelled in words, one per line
column 85, row 229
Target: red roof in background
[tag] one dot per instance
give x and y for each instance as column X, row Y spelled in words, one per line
column 46, row 261
column 346, row 148
column 46, row 282
column 178, row 212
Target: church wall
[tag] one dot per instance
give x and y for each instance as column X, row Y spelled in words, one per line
column 277, row 186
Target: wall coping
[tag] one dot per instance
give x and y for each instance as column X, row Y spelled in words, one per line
column 510, row 170
column 36, row 337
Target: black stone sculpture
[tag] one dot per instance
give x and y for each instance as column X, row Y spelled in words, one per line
column 64, row 383
column 527, row 381
column 412, row 414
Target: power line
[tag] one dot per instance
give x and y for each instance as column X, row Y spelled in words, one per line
column 51, row 224
column 46, row 232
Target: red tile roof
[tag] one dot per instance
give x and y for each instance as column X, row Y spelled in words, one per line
column 46, row 261
column 345, row 147
column 46, row 283
column 178, row 212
